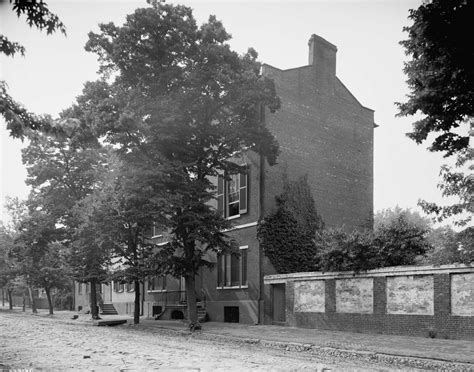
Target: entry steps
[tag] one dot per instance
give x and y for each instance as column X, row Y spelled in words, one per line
column 108, row 309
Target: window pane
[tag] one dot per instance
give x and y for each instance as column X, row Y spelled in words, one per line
column 234, row 209
column 235, row 270
column 220, row 185
column 227, row 269
column 233, row 184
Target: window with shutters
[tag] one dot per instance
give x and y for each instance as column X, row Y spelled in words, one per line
column 232, row 270
column 232, row 194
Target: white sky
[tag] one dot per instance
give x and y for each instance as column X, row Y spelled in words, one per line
column 369, row 63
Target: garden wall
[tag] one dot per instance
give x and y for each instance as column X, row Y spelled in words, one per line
column 427, row 301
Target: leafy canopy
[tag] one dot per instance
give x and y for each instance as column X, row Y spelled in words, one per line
column 440, row 73
column 19, row 120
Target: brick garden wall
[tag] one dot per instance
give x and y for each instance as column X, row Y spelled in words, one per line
column 422, row 301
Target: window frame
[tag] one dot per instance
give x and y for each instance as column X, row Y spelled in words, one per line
column 151, row 284
column 224, row 268
column 118, row 287
column 130, row 287
column 223, row 193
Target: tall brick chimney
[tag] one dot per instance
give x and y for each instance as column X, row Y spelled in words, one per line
column 322, row 55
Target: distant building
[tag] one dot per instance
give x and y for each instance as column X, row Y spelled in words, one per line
column 324, row 132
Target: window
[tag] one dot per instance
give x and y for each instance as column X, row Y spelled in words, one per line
column 79, row 288
column 232, row 195
column 118, row 287
column 157, row 283
column 88, row 287
column 130, row 287
column 232, row 270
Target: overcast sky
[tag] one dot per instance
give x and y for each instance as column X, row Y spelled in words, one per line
column 369, row 62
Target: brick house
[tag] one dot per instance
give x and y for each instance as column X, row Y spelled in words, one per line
column 323, row 132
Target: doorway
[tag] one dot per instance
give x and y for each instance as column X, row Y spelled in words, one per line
column 278, row 303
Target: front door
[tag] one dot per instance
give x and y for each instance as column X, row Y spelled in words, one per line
column 278, row 302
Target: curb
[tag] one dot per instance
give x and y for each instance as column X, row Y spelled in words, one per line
column 324, row 352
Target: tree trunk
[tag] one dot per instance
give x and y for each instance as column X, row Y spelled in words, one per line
column 32, row 300
column 50, row 302
column 191, row 302
column 10, row 298
column 136, row 312
column 3, row 297
column 93, row 299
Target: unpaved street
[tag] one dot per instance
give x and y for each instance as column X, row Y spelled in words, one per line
column 34, row 342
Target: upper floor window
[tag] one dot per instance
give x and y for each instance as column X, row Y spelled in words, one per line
column 157, row 283
column 232, row 269
column 232, row 195
column 130, row 286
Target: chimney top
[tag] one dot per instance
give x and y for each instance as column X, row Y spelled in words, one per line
column 322, row 55
column 323, row 42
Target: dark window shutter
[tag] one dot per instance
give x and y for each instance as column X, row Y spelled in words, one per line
column 243, row 194
column 243, row 259
column 220, row 195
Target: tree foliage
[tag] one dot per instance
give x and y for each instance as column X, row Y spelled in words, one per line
column 457, row 184
column 450, row 246
column 440, row 73
column 396, row 243
column 62, row 171
column 119, row 216
column 176, row 95
column 38, row 15
column 441, row 83
column 19, row 120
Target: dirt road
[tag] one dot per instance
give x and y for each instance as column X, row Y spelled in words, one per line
column 38, row 342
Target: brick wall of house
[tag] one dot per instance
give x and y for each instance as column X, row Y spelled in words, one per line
column 323, row 131
column 246, row 299
column 407, row 320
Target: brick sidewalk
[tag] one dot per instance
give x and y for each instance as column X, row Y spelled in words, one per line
column 458, row 351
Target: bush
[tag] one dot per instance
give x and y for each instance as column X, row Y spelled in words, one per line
column 340, row 250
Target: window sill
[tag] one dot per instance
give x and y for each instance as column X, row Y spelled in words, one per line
column 233, row 217
column 156, row 290
column 234, row 287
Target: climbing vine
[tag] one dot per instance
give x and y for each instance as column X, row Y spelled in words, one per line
column 287, row 234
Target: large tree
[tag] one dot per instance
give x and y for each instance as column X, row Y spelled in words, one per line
column 62, row 171
column 177, row 94
column 40, row 255
column 19, row 120
column 120, row 216
column 441, row 82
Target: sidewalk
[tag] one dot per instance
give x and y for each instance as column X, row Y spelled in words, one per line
column 415, row 352
column 455, row 351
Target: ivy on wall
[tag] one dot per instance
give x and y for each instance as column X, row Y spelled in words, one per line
column 294, row 239
column 287, row 234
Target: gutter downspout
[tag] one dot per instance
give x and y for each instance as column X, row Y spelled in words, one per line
column 261, row 214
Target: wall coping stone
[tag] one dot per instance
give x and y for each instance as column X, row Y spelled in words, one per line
column 386, row 271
